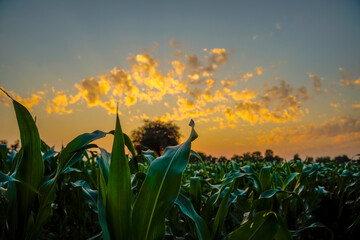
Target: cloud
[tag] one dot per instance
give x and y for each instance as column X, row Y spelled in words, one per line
column 58, row 104
column 179, row 67
column 278, row 103
column 248, row 111
column 214, row 58
column 317, row 82
column 356, row 105
column 91, row 90
column 189, row 88
column 243, row 95
column 174, row 44
column 230, row 116
column 339, row 130
column 228, row 83
column 123, row 84
column 284, row 95
column 32, row 101
column 347, row 78
column 27, row 102
column 246, row 77
column 259, row 70
column 94, row 92
column 3, row 97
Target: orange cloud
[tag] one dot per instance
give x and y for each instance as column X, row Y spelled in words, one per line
column 246, row 77
column 58, row 104
column 317, row 82
column 259, row 70
column 243, row 95
column 340, row 130
column 30, row 102
column 347, row 78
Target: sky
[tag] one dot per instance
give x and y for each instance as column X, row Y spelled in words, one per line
column 253, row 75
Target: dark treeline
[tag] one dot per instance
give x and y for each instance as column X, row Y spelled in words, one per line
column 269, row 156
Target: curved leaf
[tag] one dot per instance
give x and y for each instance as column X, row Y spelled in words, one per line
column 264, row 226
column 29, row 170
column 202, row 162
column 187, row 208
column 221, row 214
column 90, row 195
column 291, row 177
column 159, row 190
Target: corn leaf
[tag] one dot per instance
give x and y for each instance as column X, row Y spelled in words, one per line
column 29, row 171
column 118, row 199
column 68, row 156
column 221, row 214
column 160, row 190
column 187, row 208
column 264, row 226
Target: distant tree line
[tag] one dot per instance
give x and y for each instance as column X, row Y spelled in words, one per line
column 13, row 147
column 270, row 157
column 157, row 135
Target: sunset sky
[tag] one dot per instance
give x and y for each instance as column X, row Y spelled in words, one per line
column 253, row 75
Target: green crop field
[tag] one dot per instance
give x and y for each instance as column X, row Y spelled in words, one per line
column 84, row 192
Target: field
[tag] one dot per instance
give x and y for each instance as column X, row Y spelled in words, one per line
column 83, row 191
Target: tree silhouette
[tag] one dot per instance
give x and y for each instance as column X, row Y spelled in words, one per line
column 256, row 156
column 155, row 135
column 269, row 155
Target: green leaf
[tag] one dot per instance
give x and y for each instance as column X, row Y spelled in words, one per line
column 291, row 177
column 149, row 155
column 29, row 170
column 263, row 226
column 159, row 190
column 118, row 199
column 221, row 214
column 265, row 178
column 195, row 192
column 202, row 162
column 187, row 208
column 283, row 233
column 7, row 178
column 129, row 145
column 68, row 156
column 104, row 163
column 101, row 212
column 71, row 150
column 314, row 225
column 90, row 195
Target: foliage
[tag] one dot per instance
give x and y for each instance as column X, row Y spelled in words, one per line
column 156, row 135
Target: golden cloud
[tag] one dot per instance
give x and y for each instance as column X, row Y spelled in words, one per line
column 259, row 70
column 339, row 130
column 58, row 104
column 30, row 102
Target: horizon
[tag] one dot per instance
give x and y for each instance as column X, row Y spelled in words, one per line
column 275, row 75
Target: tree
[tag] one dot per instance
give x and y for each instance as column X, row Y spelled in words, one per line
column 342, row 159
column 257, row 156
column 269, row 155
column 297, row 157
column 155, row 135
